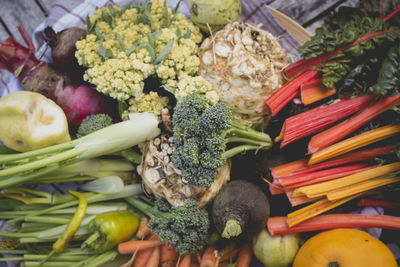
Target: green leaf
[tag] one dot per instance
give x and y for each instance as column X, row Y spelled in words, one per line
column 187, row 34
column 111, row 9
column 150, row 49
column 133, row 48
column 120, row 42
column 164, row 53
column 168, row 88
column 177, row 7
column 167, row 20
column 122, row 106
column 105, row 53
column 98, row 34
column 108, row 18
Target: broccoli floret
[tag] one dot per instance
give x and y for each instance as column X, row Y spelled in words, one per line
column 201, row 136
column 92, row 123
column 185, row 226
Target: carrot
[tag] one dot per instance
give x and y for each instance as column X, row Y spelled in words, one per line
column 168, row 256
column 130, row 247
column 143, row 256
column 288, row 91
column 143, row 230
column 341, row 130
column 245, row 256
column 154, row 259
column 185, row 261
column 279, row 226
column 230, row 256
column 208, row 259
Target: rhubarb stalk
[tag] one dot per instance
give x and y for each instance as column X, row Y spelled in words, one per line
column 343, row 129
column 317, row 119
column 288, row 91
column 279, row 226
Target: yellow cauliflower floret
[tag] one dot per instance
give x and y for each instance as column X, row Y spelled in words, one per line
column 187, row 84
column 150, row 102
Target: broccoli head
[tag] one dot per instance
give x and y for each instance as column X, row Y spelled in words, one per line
column 92, row 123
column 201, row 137
column 185, row 226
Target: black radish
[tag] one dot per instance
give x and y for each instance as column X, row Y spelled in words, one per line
column 240, row 209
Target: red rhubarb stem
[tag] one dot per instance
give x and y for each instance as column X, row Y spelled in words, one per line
column 307, row 64
column 341, row 130
column 391, row 14
column 288, row 91
column 348, row 158
column 368, row 202
column 317, row 119
column 279, row 226
column 27, row 39
column 326, row 178
column 294, row 179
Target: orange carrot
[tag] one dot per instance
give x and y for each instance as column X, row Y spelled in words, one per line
column 130, row 247
column 143, row 230
column 143, row 257
column 154, row 259
column 208, row 259
column 245, row 256
column 314, row 90
column 168, row 256
column 229, row 256
column 186, row 260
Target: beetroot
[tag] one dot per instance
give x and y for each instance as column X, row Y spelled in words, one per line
column 77, row 101
column 63, row 47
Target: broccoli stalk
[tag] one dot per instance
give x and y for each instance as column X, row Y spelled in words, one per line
column 202, row 134
column 185, row 226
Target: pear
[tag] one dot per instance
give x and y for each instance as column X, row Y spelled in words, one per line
column 30, row 121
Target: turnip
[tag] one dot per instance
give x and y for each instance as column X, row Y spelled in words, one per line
column 240, row 209
column 77, row 101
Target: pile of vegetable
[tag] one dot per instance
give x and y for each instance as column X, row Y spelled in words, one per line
column 157, row 118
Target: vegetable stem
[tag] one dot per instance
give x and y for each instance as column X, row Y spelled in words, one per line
column 279, row 226
column 232, row 229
